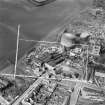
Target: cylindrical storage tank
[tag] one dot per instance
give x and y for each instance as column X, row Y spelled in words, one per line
column 66, row 39
column 84, row 34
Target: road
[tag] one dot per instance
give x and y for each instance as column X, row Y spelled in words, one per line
column 3, row 101
column 84, row 83
column 27, row 92
column 78, row 85
column 75, row 93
